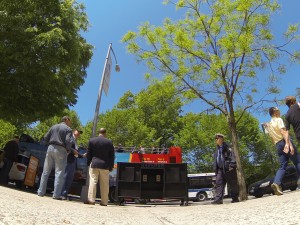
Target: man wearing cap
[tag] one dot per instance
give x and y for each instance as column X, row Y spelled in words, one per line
column 225, row 169
column 59, row 138
column 71, row 164
column 285, row 147
column 100, row 159
column 11, row 151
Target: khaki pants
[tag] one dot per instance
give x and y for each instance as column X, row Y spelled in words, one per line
column 103, row 177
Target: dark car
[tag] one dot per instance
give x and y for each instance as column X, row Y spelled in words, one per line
column 262, row 187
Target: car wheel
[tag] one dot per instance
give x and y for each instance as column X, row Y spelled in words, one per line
column 258, row 195
column 112, row 195
column 201, row 196
column 293, row 188
column 19, row 184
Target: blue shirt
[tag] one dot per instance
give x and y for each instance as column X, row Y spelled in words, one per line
column 59, row 134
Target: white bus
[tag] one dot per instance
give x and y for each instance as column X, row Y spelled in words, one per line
column 201, row 186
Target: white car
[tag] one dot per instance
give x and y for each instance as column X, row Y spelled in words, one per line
column 18, row 170
column 201, row 194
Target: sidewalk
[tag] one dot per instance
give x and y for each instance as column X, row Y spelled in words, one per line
column 18, row 207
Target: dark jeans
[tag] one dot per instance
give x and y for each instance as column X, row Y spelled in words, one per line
column 4, row 175
column 284, row 160
column 230, row 178
column 68, row 177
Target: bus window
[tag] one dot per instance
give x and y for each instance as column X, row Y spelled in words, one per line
column 200, row 180
column 200, row 186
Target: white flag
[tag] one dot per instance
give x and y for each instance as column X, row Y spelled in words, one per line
column 107, row 75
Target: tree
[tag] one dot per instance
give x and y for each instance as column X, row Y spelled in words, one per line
column 149, row 118
column 42, row 127
column 43, row 58
column 7, row 132
column 160, row 108
column 214, row 54
column 196, row 138
column 197, row 141
column 126, row 127
column 258, row 157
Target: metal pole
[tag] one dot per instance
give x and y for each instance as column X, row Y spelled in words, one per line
column 94, row 131
column 85, row 188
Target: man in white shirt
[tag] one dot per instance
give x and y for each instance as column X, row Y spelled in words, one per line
column 285, row 148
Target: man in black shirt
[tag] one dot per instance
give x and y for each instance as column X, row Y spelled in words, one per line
column 11, row 151
column 293, row 118
column 293, row 115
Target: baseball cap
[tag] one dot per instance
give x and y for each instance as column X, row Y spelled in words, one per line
column 219, row 135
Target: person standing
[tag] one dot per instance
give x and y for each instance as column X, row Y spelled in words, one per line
column 225, row 169
column 285, row 147
column 59, row 138
column 71, row 164
column 100, row 159
column 11, row 151
column 293, row 116
column 120, row 148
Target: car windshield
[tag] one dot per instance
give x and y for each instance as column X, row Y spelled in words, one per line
column 23, row 159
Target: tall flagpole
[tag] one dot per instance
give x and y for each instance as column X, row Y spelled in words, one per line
column 96, row 115
column 105, row 79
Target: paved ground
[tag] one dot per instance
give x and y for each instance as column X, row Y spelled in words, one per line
column 20, row 207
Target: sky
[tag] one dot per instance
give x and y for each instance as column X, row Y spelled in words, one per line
column 111, row 20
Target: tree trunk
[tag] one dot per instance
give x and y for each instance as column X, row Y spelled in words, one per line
column 243, row 193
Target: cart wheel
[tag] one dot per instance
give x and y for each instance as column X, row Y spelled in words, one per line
column 19, row 184
column 121, row 202
column 112, row 194
column 184, row 203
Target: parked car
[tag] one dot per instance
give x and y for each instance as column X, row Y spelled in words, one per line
column 262, row 187
column 18, row 170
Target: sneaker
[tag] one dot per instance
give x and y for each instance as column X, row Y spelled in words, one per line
column 64, row 198
column 89, row 202
column 235, row 200
column 276, row 188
